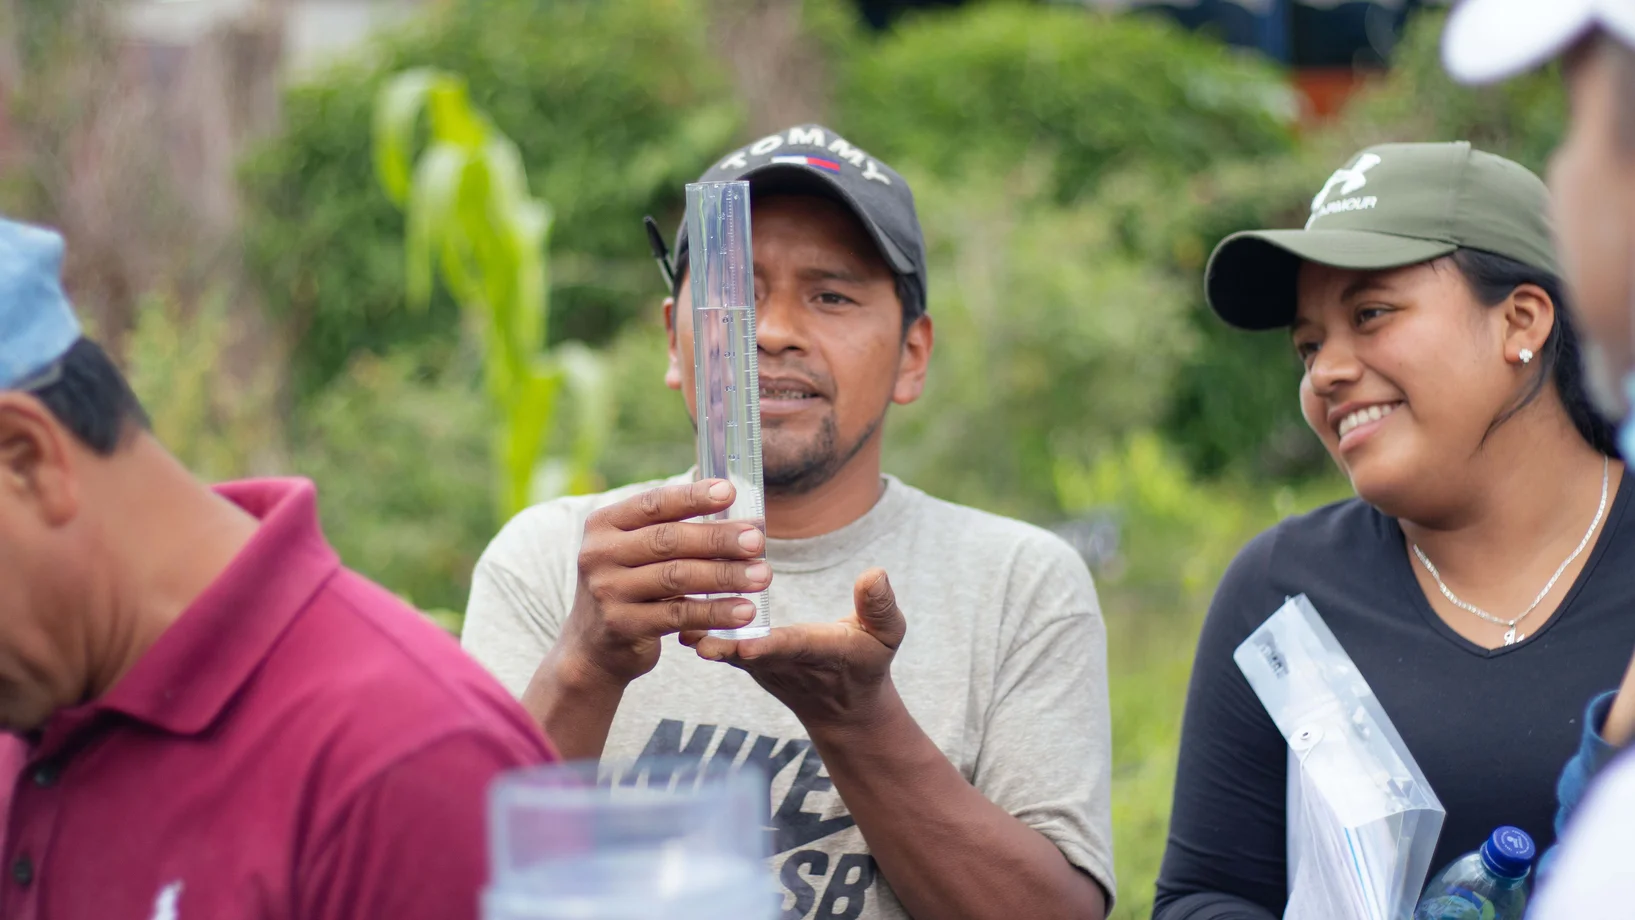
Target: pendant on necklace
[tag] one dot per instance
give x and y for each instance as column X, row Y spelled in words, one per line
column 1510, row 638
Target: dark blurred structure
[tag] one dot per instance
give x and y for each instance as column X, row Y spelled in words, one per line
column 1300, row 33
column 1328, row 44
column 881, row 13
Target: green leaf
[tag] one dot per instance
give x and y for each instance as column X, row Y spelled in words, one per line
column 585, row 374
column 397, row 111
column 528, row 419
column 472, row 220
column 553, row 478
column 452, row 118
column 530, row 228
column 510, row 182
column 431, row 207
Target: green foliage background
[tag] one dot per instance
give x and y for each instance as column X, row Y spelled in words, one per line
column 1073, row 173
column 1003, row 83
column 1059, row 333
column 613, row 105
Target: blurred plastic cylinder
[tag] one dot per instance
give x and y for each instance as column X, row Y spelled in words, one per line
column 655, row 839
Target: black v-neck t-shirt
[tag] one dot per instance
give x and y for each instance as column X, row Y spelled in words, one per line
column 1490, row 728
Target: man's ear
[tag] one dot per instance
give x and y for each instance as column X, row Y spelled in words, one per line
column 1529, row 316
column 914, row 361
column 36, row 463
column 672, row 373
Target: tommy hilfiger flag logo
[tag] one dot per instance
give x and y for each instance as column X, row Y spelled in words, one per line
column 818, row 162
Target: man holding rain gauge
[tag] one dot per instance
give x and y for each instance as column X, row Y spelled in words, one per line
column 938, row 743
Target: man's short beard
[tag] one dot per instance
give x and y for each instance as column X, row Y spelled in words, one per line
column 818, row 463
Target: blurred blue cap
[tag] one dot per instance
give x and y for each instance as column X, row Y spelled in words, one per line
column 37, row 325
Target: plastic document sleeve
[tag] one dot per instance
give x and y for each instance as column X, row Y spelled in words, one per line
column 1362, row 821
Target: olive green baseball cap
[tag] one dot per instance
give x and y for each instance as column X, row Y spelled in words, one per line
column 1391, row 205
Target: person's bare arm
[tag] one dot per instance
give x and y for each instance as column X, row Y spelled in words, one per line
column 573, row 704
column 947, row 850
column 639, row 562
column 949, row 853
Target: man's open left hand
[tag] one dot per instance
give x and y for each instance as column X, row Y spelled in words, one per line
column 830, row 675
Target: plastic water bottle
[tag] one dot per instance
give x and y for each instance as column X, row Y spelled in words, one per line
column 656, row 839
column 1489, row 884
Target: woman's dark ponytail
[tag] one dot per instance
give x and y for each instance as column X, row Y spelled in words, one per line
column 1493, row 278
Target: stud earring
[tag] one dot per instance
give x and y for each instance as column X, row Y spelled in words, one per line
column 1526, row 355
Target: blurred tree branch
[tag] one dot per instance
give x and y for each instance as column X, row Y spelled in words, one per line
column 129, row 144
column 126, row 137
column 782, row 74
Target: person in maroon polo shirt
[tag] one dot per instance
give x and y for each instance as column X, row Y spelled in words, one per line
column 205, row 716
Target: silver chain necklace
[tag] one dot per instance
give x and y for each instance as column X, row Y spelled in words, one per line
column 1512, row 637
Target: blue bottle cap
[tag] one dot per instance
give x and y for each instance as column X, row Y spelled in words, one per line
column 1509, row 852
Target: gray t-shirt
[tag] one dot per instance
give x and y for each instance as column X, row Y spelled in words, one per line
column 1004, row 667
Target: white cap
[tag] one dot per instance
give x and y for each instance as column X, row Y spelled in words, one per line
column 1488, row 40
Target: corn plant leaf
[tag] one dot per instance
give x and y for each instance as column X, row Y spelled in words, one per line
column 397, row 112
column 432, row 204
column 529, row 419
column 472, row 220
column 453, row 119
column 553, row 478
column 590, row 394
column 530, row 227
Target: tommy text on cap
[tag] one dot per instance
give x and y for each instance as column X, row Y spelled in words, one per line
column 814, row 160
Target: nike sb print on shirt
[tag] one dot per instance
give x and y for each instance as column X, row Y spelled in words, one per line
column 1003, row 667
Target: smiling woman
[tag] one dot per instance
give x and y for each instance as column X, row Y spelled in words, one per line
column 1480, row 579
column 1466, row 328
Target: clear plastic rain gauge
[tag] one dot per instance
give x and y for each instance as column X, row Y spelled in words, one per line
column 725, row 359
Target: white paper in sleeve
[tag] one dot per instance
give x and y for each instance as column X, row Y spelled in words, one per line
column 1362, row 820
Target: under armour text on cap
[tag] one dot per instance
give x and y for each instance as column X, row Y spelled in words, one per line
column 813, row 160
column 37, row 326
column 1391, row 205
column 1488, row 40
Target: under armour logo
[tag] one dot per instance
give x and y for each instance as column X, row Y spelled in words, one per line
column 1348, row 178
column 164, row 906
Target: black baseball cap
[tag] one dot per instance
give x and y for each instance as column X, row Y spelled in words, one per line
column 814, row 160
column 1390, row 206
